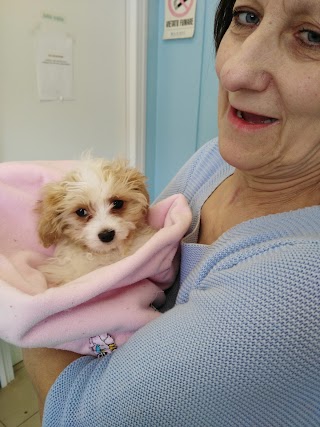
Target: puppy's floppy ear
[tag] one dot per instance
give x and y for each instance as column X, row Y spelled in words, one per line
column 50, row 225
column 138, row 181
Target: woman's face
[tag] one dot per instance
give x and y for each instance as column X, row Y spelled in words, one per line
column 268, row 64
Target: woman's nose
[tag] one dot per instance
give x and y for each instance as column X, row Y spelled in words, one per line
column 249, row 65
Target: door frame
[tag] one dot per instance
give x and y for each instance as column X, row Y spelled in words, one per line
column 136, row 80
column 6, row 368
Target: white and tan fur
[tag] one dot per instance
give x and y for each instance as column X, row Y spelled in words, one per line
column 96, row 215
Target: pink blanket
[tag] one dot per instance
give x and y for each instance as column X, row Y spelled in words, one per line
column 96, row 312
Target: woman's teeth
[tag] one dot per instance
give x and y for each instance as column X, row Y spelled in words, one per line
column 254, row 118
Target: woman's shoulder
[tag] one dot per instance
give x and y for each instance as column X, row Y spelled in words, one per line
column 206, row 158
column 205, row 163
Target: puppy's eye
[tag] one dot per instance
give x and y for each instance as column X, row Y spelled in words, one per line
column 117, row 204
column 82, row 213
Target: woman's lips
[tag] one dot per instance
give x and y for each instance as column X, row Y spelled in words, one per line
column 255, row 119
column 250, row 121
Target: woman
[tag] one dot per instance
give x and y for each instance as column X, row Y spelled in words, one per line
column 241, row 346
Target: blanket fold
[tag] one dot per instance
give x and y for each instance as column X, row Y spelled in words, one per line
column 96, row 312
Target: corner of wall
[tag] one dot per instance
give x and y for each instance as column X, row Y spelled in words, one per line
column 151, row 110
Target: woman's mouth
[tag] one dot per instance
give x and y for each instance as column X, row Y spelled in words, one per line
column 248, row 121
column 254, row 119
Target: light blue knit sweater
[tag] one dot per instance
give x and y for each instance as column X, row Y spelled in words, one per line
column 240, row 348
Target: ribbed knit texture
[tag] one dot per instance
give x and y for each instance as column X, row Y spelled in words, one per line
column 240, row 348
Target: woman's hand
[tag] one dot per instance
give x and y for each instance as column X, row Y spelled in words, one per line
column 44, row 365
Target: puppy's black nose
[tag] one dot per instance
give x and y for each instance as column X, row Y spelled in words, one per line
column 106, row 236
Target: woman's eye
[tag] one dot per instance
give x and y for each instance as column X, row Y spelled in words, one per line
column 117, row 204
column 311, row 38
column 82, row 213
column 245, row 18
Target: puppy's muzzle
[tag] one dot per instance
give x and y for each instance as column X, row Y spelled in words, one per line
column 106, row 236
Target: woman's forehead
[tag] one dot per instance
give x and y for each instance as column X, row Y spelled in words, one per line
column 288, row 6
column 301, row 6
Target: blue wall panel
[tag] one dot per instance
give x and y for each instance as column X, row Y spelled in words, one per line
column 182, row 94
column 207, row 120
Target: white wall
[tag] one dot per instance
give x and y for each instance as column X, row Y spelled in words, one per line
column 31, row 129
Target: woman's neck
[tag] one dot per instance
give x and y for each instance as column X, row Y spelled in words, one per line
column 271, row 195
column 242, row 197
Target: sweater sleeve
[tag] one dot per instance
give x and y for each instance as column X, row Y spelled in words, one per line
column 244, row 350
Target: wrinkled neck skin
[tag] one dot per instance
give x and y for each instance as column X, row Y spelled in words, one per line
column 247, row 195
column 280, row 191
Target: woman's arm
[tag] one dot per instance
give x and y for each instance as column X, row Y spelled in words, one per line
column 44, row 365
column 241, row 351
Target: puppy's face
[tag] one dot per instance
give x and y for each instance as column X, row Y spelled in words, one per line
column 96, row 206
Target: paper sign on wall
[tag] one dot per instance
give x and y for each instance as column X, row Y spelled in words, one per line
column 179, row 20
column 54, row 66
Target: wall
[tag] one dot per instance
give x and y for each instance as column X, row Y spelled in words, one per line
column 152, row 88
column 182, row 93
column 30, row 129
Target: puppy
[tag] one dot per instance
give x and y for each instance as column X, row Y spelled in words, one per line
column 96, row 215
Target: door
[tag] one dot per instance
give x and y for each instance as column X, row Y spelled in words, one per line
column 103, row 111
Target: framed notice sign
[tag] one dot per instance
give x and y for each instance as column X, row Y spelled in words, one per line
column 179, row 20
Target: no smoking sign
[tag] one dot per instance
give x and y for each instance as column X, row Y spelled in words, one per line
column 179, row 19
